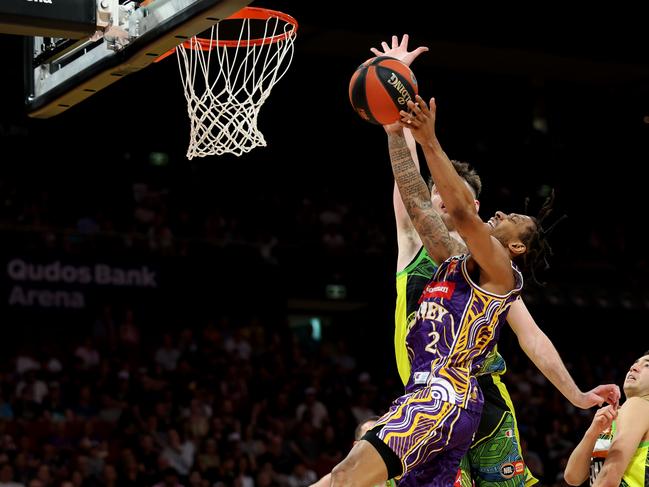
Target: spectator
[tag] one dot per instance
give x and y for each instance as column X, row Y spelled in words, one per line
column 6, row 411
column 316, row 410
column 25, row 362
column 179, row 454
column 129, row 333
column 169, row 479
column 301, row 476
column 7, row 477
column 32, row 388
column 88, row 354
column 167, row 355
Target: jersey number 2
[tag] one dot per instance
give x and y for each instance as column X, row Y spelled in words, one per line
column 431, row 347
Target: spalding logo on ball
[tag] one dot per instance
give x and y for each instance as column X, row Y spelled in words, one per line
column 380, row 87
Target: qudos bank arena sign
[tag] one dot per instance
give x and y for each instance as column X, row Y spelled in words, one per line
column 59, row 284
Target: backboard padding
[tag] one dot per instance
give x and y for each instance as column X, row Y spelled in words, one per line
column 164, row 24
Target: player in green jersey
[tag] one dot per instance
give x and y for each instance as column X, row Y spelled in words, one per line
column 620, row 438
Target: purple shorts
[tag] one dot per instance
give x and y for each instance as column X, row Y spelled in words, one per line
column 428, row 435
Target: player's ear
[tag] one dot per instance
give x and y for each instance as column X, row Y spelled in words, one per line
column 516, row 247
column 477, row 205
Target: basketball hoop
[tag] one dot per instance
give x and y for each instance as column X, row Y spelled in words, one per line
column 226, row 79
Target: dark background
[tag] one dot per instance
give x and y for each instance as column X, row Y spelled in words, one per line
column 533, row 99
column 494, row 73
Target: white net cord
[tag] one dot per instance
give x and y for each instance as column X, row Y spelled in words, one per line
column 225, row 87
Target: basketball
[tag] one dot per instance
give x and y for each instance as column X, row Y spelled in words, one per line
column 380, row 87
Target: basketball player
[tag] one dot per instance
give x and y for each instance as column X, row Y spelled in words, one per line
column 456, row 326
column 360, row 431
column 498, row 430
column 620, row 436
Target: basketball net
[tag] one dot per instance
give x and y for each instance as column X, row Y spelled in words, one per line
column 227, row 81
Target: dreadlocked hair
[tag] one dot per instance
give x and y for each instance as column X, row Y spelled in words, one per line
column 536, row 240
column 466, row 172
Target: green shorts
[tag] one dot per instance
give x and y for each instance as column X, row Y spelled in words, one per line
column 495, row 458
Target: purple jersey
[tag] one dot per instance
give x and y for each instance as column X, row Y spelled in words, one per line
column 457, row 325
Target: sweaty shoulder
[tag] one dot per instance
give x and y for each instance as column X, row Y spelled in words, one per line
column 636, row 404
column 635, row 411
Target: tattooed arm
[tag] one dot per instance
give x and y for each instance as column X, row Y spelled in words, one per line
column 416, row 199
column 408, row 241
column 409, row 236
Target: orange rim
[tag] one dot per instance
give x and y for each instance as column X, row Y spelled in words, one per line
column 256, row 13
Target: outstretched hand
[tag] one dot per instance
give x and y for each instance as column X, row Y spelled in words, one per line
column 399, row 50
column 603, row 419
column 606, row 393
column 420, row 120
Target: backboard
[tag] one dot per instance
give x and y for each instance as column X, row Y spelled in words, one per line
column 61, row 72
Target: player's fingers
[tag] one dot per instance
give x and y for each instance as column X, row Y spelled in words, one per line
column 404, row 41
column 395, row 42
column 422, row 105
column 409, row 119
column 385, row 46
column 375, row 51
column 616, row 393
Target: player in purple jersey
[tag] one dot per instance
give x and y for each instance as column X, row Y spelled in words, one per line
column 457, row 325
column 495, row 458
